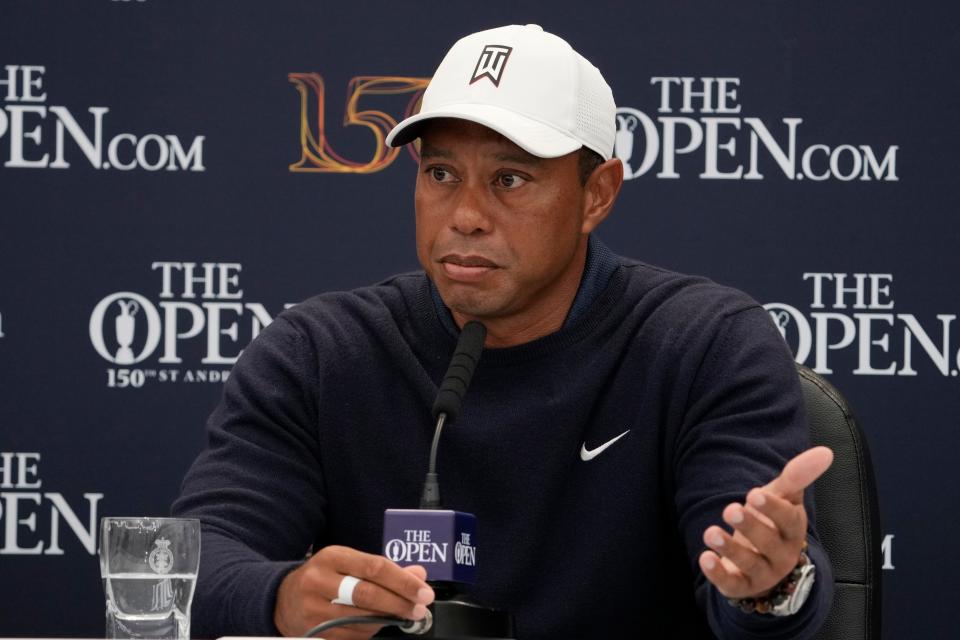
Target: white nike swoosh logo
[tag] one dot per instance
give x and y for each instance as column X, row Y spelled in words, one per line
column 589, row 454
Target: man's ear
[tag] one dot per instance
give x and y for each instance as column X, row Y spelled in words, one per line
column 600, row 193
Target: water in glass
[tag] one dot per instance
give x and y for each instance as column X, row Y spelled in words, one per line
column 149, row 569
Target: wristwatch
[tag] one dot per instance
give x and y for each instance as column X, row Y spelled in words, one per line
column 788, row 596
column 801, row 591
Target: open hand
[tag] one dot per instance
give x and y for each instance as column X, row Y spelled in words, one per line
column 769, row 531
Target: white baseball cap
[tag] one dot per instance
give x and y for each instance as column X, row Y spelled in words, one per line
column 526, row 84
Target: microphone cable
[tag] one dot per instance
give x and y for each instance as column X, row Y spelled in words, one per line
column 415, row 627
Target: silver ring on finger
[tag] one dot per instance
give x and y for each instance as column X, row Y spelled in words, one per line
column 345, row 591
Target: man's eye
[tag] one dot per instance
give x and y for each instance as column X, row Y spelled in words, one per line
column 510, row 180
column 440, row 174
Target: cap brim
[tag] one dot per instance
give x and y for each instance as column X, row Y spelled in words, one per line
column 534, row 137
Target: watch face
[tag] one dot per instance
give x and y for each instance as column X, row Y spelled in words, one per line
column 804, row 584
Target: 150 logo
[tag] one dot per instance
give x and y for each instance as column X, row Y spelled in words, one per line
column 31, row 126
column 316, row 153
column 197, row 302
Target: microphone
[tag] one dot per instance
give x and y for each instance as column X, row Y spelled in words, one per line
column 460, row 372
column 440, row 540
column 446, row 407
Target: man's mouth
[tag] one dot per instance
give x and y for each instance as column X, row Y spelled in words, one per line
column 469, row 268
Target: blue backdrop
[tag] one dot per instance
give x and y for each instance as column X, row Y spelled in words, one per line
column 173, row 173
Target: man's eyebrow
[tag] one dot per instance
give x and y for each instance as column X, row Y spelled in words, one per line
column 434, row 152
column 519, row 158
column 428, row 152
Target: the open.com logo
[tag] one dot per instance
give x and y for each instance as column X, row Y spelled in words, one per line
column 734, row 148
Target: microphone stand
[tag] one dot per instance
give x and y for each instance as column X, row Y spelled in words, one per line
column 455, row 615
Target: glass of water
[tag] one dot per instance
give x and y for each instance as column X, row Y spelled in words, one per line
column 149, row 568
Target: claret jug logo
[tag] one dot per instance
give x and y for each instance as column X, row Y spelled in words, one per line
column 491, row 64
column 851, row 322
column 699, row 129
column 199, row 307
column 50, row 137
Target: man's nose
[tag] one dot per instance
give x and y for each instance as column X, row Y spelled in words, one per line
column 470, row 216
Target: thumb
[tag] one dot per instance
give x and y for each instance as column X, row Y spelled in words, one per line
column 800, row 472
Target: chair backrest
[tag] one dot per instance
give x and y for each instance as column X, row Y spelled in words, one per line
column 848, row 520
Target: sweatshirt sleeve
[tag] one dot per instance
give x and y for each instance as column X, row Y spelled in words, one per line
column 745, row 419
column 258, row 486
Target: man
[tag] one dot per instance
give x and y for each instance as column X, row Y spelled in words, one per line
column 618, row 416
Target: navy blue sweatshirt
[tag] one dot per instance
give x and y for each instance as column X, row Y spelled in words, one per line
column 325, row 422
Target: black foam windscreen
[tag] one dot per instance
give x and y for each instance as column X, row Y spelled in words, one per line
column 457, row 379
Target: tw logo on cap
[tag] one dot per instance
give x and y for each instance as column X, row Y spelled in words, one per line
column 492, row 61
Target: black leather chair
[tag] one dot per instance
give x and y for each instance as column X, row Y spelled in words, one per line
column 848, row 518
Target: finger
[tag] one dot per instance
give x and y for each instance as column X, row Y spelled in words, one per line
column 725, row 576
column 417, row 570
column 381, row 572
column 369, row 595
column 800, row 472
column 752, row 565
column 763, row 538
column 759, row 515
column 790, row 519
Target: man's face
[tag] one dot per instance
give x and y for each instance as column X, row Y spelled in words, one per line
column 498, row 230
